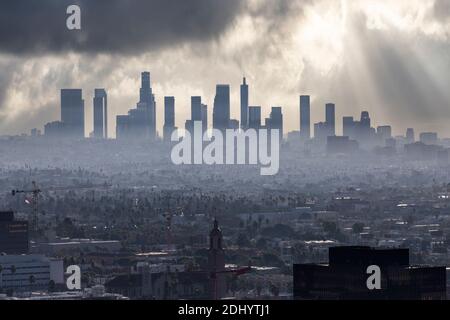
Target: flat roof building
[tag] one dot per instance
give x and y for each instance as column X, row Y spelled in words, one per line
column 13, row 234
column 345, row 277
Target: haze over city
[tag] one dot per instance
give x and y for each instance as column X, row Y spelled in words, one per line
column 141, row 156
column 389, row 58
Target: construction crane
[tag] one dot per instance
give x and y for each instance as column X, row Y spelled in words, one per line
column 168, row 216
column 234, row 272
column 36, row 191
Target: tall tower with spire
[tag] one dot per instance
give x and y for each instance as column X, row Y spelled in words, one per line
column 216, row 263
column 244, row 104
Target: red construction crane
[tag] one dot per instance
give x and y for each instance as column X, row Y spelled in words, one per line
column 235, row 272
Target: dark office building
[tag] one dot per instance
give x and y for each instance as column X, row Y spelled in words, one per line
column 349, row 127
column 365, row 121
column 305, row 117
column 100, row 114
column 13, row 234
column 147, row 102
column 320, row 131
column 204, row 117
column 221, row 111
column 330, row 119
column 254, row 117
column 199, row 113
column 276, row 119
column 196, row 108
column 72, row 112
column 169, row 117
column 323, row 130
column 345, row 277
column 122, row 127
column 244, row 104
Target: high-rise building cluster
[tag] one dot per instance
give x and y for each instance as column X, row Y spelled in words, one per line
column 140, row 122
column 72, row 123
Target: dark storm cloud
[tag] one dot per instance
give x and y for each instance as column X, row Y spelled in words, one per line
column 442, row 9
column 111, row 26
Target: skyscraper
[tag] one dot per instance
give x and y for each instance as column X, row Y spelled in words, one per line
column 122, row 126
column 196, row 108
column 365, row 120
column 147, row 104
column 100, row 114
column 221, row 111
column 348, row 126
column 254, row 117
column 72, row 112
column 430, row 138
column 321, row 132
column 140, row 123
column 244, row 104
column 305, row 117
column 276, row 119
column 199, row 112
column 169, row 117
column 204, row 117
column 384, row 133
column 410, row 136
column 330, row 119
column 216, row 263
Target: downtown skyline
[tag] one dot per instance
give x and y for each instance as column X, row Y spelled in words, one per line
column 76, row 116
column 387, row 58
column 141, row 121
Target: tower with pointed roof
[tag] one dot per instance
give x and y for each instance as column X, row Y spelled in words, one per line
column 216, row 262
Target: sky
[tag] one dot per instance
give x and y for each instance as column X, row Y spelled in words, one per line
column 389, row 57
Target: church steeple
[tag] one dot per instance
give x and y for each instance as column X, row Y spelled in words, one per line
column 215, row 237
column 216, row 262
